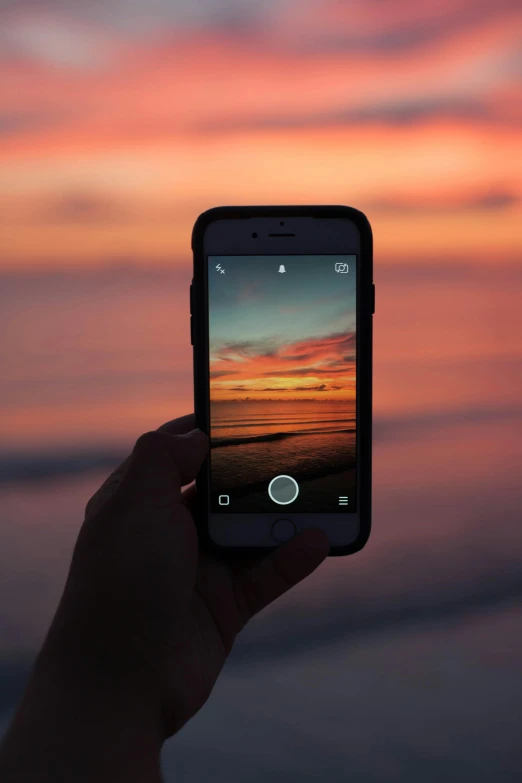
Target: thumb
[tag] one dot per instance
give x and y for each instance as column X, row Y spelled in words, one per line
column 161, row 464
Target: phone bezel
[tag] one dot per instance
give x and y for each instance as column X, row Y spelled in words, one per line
column 239, row 241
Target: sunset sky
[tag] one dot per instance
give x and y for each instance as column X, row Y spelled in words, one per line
column 120, row 121
column 284, row 335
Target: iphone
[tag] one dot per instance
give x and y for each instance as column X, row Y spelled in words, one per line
column 282, row 301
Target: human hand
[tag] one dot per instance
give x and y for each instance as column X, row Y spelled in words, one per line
column 143, row 603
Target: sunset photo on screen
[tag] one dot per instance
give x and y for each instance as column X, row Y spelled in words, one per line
column 282, row 350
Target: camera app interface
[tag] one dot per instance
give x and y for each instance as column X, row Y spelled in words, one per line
column 282, row 352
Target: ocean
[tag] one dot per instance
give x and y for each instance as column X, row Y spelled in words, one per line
column 401, row 663
column 311, row 440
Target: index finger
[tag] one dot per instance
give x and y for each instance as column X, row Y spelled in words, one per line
column 179, row 426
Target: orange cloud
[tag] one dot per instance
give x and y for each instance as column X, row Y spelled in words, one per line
column 168, row 125
column 324, row 365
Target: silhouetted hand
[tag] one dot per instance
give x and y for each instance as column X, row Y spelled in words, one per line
column 168, row 611
column 148, row 597
column 144, row 624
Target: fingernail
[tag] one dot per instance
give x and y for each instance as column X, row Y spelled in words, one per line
column 196, row 436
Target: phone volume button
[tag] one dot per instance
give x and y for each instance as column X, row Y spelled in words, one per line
column 191, row 331
column 191, row 299
column 373, row 298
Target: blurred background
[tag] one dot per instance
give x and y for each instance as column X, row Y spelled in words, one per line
column 120, row 121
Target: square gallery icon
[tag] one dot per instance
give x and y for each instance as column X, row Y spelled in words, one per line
column 223, row 500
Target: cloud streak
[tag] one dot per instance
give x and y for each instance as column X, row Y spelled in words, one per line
column 322, row 359
column 157, row 112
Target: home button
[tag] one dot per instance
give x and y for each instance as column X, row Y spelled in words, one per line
column 283, row 530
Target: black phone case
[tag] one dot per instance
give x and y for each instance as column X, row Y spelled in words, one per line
column 198, row 327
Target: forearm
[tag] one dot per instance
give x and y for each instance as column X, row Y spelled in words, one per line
column 78, row 727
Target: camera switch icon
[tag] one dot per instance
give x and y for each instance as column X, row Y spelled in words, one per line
column 341, row 267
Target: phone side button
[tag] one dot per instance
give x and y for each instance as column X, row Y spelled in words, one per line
column 373, row 298
column 191, row 299
column 191, row 331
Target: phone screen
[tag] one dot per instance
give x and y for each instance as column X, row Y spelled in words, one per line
column 282, row 356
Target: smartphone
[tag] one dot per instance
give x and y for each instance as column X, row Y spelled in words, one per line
column 282, row 300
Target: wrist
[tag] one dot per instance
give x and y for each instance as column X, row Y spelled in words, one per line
column 85, row 720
